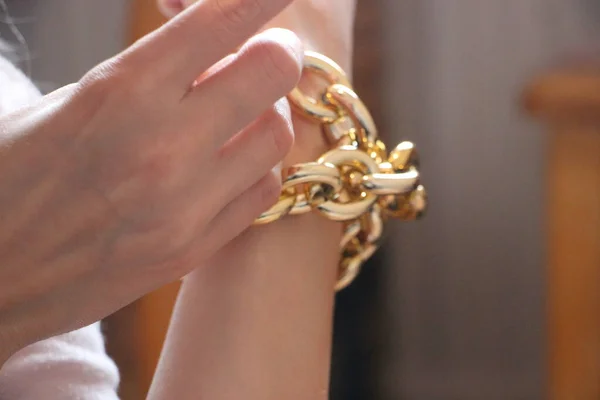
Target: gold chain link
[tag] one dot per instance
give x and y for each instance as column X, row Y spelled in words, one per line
column 357, row 182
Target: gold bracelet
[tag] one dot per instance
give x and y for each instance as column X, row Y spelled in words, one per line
column 357, row 182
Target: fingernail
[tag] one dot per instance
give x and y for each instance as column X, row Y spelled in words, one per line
column 291, row 40
column 171, row 8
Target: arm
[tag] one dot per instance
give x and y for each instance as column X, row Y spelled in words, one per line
column 100, row 196
column 256, row 322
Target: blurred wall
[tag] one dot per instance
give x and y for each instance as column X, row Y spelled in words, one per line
column 67, row 37
column 466, row 286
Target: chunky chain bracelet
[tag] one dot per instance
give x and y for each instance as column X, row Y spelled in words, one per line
column 357, row 183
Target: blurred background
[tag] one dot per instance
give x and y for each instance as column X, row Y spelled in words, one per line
column 491, row 296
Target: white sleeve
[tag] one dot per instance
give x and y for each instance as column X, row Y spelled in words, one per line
column 73, row 366
column 16, row 90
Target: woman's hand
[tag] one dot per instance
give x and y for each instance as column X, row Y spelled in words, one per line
column 133, row 176
column 325, row 26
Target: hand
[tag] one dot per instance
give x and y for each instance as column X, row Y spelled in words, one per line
column 325, row 26
column 128, row 179
column 259, row 314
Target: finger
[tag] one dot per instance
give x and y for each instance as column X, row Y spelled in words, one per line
column 239, row 214
column 214, row 69
column 201, row 35
column 254, row 151
column 170, row 8
column 266, row 69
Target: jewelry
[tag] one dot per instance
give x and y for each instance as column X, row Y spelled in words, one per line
column 357, row 182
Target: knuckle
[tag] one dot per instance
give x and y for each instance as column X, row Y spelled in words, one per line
column 100, row 90
column 279, row 65
column 108, row 81
column 231, row 14
column 118, row 77
column 96, row 85
column 105, row 77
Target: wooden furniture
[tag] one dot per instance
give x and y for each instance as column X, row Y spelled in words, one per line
column 568, row 102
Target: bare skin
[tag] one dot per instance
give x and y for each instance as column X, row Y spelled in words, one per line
column 133, row 176
column 255, row 322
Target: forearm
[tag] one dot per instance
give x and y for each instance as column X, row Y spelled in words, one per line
column 258, row 326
